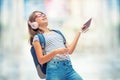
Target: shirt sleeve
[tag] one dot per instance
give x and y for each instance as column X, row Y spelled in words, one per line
column 35, row 38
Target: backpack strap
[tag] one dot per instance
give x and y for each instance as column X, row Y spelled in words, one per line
column 57, row 31
column 42, row 41
column 43, row 67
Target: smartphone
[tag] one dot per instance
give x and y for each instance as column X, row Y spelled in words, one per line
column 87, row 24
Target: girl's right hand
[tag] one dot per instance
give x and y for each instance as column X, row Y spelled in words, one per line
column 61, row 50
column 84, row 29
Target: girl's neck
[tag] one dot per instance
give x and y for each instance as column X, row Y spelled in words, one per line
column 45, row 29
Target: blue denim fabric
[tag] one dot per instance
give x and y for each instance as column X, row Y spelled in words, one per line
column 61, row 70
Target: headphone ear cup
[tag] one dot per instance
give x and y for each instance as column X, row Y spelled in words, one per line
column 34, row 25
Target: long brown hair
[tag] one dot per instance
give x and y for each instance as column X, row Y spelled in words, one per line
column 33, row 32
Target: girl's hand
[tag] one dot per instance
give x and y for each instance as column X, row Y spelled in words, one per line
column 61, row 50
column 83, row 29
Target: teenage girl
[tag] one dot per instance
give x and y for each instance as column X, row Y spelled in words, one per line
column 59, row 65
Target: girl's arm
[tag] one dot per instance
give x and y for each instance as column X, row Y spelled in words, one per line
column 72, row 46
column 45, row 58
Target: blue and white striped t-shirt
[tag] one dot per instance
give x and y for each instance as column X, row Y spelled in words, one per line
column 54, row 41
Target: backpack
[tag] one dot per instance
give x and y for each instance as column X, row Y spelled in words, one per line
column 41, row 68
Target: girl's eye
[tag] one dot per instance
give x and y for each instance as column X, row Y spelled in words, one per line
column 39, row 15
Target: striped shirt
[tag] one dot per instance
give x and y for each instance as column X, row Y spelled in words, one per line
column 54, row 41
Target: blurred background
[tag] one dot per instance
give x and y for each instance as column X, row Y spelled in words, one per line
column 97, row 55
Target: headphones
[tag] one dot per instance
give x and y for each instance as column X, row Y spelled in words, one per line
column 34, row 25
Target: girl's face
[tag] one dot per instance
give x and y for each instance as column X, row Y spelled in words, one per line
column 41, row 18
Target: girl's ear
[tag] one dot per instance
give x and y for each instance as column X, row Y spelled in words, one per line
column 34, row 25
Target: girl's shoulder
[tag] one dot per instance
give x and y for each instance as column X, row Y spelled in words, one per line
column 35, row 38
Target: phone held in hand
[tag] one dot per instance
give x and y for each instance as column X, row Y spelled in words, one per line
column 87, row 24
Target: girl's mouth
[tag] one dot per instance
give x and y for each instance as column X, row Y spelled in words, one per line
column 44, row 18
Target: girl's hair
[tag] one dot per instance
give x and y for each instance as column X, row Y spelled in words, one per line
column 33, row 32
